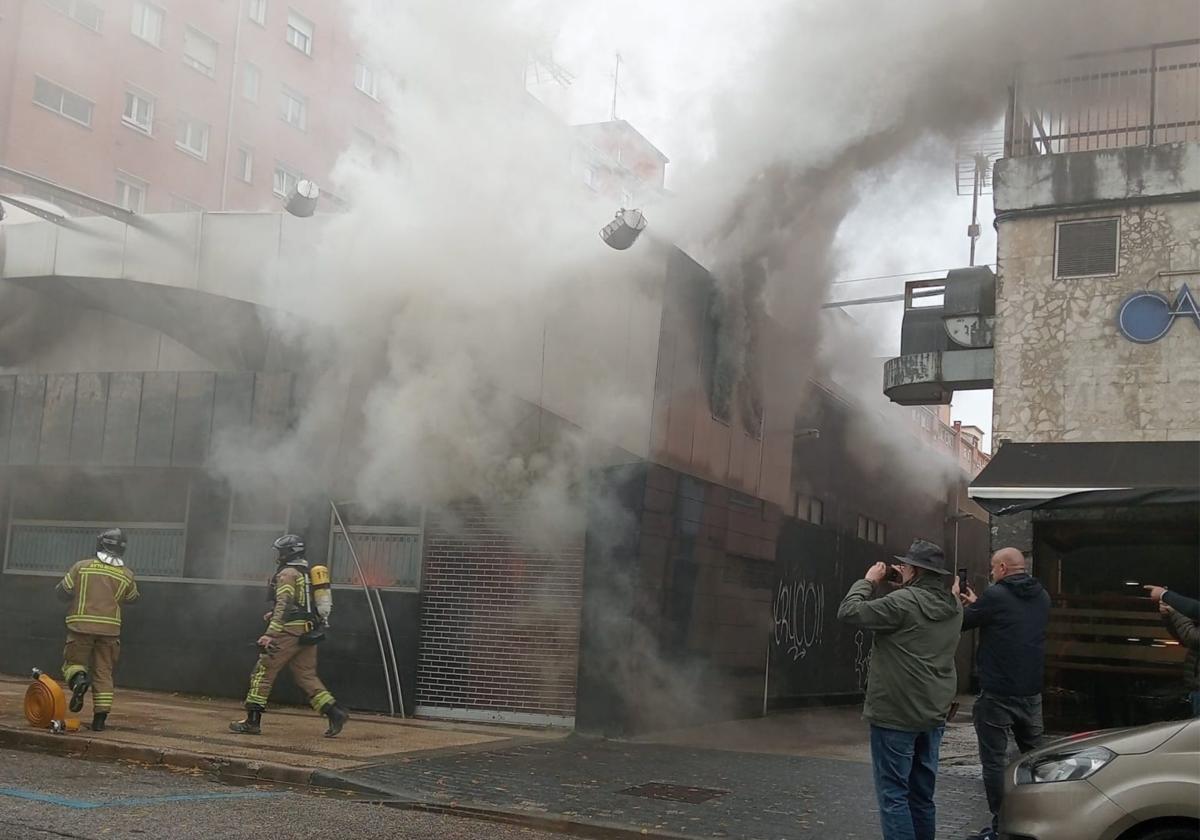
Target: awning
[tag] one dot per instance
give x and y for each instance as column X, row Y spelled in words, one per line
column 1024, row 476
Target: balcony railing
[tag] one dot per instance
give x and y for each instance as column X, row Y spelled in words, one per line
column 1144, row 96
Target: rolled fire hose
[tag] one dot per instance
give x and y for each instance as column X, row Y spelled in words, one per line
column 46, row 705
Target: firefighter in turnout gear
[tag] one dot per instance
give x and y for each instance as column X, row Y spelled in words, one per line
column 302, row 602
column 96, row 588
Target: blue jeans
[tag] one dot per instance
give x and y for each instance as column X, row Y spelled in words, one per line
column 905, row 767
column 1195, row 704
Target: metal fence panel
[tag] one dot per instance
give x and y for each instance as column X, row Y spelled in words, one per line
column 249, row 555
column 389, row 557
column 1134, row 97
column 155, row 549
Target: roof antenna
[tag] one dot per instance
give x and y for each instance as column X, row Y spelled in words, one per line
column 616, row 82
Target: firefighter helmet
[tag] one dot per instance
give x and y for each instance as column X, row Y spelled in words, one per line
column 289, row 547
column 112, row 542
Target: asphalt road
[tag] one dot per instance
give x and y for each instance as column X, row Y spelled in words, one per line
column 45, row 797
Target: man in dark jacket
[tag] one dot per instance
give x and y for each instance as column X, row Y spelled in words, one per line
column 1011, row 616
column 910, row 683
column 1187, row 632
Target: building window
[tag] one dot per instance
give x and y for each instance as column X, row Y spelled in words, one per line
column 284, row 181
column 364, row 80
column 300, row 32
column 179, row 204
column 139, row 111
column 245, row 164
column 626, row 198
column 589, row 176
column 293, row 108
column 199, row 51
column 131, row 193
column 810, row 509
column 871, row 530
column 1087, row 248
column 80, row 11
column 192, row 137
column 258, row 12
column 147, row 23
column 62, row 101
column 251, row 78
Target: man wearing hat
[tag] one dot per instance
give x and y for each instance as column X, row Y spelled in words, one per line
column 910, row 684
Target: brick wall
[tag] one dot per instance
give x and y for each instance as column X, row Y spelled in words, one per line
column 500, row 621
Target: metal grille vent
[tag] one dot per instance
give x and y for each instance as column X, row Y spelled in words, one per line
column 1087, row 249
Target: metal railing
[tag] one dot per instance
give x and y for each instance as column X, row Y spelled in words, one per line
column 390, row 557
column 1143, row 96
column 41, row 546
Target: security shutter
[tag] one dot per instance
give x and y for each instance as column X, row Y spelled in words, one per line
column 1086, row 249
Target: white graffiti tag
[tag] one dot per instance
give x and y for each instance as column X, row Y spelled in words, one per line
column 862, row 659
column 799, row 611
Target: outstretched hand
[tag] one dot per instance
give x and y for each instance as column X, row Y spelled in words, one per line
column 1156, row 592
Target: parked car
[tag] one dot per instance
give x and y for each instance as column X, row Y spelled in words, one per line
column 1122, row 784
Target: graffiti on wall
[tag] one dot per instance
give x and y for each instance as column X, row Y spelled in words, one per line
column 862, row 658
column 799, row 613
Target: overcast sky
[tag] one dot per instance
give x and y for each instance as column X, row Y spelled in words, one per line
column 677, row 57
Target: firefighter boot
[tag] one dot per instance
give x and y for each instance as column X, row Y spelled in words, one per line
column 98, row 721
column 80, row 683
column 337, row 718
column 251, row 725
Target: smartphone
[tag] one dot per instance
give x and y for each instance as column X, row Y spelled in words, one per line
column 963, row 586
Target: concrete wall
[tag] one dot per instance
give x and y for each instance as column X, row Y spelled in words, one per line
column 1063, row 370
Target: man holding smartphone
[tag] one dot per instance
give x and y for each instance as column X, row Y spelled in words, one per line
column 1011, row 615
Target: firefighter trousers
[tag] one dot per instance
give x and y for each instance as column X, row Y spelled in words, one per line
column 97, row 655
column 302, row 659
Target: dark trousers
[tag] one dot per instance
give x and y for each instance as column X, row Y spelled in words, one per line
column 905, row 768
column 994, row 717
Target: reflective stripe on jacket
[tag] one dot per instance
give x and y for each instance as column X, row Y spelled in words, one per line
column 97, row 591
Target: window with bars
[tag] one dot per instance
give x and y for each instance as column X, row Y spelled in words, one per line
column 62, row 101
column 1087, row 248
column 147, row 23
column 387, row 556
column 139, row 111
column 199, row 51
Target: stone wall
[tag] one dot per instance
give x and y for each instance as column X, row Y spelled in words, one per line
column 1063, row 370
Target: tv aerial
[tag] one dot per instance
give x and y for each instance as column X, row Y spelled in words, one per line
column 973, row 159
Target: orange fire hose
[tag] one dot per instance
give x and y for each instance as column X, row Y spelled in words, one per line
column 45, row 704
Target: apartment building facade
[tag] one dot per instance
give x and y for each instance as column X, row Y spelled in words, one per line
column 184, row 104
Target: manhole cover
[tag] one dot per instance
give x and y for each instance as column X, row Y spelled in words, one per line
column 674, row 793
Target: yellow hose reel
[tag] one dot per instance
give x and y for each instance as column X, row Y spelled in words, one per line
column 46, row 705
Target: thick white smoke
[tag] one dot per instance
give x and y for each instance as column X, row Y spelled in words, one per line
column 455, row 274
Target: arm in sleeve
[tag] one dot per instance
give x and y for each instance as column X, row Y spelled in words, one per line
column 285, row 596
column 65, row 590
column 1188, row 606
column 879, row 614
column 1184, row 629
column 130, row 594
column 984, row 611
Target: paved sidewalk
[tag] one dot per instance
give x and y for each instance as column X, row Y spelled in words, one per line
column 178, row 730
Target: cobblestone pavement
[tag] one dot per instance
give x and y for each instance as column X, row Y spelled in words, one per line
column 753, row 796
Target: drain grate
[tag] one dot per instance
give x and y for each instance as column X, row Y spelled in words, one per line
column 674, row 793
